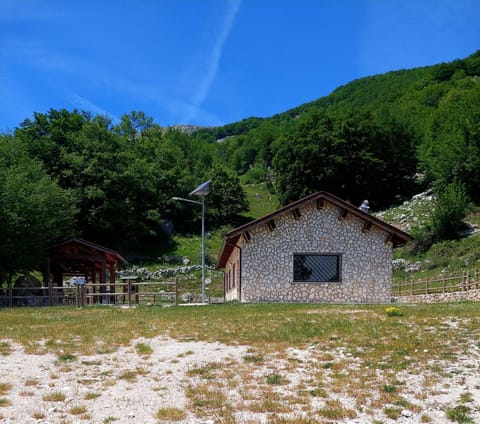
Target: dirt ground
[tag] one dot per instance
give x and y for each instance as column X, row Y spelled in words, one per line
column 131, row 386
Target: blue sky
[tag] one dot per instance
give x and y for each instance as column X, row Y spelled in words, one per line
column 212, row 62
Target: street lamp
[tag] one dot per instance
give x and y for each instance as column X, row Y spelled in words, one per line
column 202, row 190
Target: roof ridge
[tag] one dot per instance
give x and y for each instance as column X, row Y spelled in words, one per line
column 398, row 236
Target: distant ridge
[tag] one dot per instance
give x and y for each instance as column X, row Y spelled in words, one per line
column 188, row 129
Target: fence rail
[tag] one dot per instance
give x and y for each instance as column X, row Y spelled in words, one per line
column 127, row 293
column 466, row 281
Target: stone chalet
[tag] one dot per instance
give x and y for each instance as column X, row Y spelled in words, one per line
column 317, row 249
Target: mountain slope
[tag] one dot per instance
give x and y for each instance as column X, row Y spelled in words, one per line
column 433, row 111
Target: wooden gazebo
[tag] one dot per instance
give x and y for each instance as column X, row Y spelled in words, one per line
column 78, row 257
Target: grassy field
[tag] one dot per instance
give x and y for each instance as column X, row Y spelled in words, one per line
column 447, row 257
column 366, row 353
column 442, row 258
column 269, row 326
column 261, row 201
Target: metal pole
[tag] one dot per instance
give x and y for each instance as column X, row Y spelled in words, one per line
column 202, row 190
column 203, row 249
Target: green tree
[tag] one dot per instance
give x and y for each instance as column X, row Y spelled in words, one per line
column 451, row 150
column 50, row 136
column 124, row 186
column 355, row 157
column 133, row 125
column 226, row 200
column 121, row 180
column 34, row 210
column 302, row 163
column 449, row 211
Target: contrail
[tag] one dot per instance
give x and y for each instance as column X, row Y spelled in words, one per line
column 85, row 104
column 216, row 53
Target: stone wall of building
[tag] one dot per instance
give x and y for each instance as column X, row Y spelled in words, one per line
column 267, row 259
column 232, row 276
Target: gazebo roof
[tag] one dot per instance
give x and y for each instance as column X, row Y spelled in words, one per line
column 77, row 257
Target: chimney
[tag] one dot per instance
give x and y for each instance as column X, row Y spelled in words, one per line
column 364, row 207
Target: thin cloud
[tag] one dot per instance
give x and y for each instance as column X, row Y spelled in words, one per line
column 156, row 94
column 214, row 57
column 61, row 63
column 54, row 65
column 37, row 55
column 84, row 104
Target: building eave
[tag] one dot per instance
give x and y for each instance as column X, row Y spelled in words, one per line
column 396, row 236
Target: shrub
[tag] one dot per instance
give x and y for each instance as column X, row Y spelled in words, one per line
column 170, row 414
column 78, row 410
column 392, row 311
column 388, row 388
column 5, row 402
column 255, row 358
column 5, row 388
column 56, row 396
column 67, row 357
column 449, row 211
column 274, row 379
column 459, row 414
column 143, row 349
column 392, row 412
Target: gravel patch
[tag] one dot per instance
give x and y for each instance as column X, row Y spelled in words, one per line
column 127, row 387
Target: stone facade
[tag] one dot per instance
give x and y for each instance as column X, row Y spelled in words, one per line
column 232, row 276
column 261, row 269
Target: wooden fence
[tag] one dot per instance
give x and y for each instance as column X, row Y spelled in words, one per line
column 465, row 281
column 129, row 293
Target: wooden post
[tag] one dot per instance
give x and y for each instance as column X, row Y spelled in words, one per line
column 46, row 281
column 78, row 296
column 426, row 286
column 129, row 294
column 176, row 290
column 411, row 287
column 102, row 276
column 10, row 291
column 50, row 293
column 93, row 274
column 444, row 283
column 111, row 271
column 476, row 278
column 83, row 296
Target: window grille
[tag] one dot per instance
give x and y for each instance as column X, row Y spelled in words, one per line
column 317, row 267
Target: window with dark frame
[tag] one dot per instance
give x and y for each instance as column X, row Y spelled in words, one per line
column 317, row 268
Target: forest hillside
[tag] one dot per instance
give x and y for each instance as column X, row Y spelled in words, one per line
column 383, row 138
